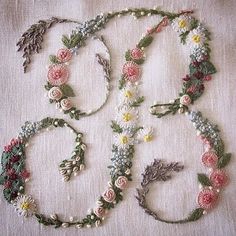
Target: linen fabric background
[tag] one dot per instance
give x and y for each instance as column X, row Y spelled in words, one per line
column 22, row 98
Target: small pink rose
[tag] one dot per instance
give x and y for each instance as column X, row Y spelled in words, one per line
column 66, row 104
column 185, row 100
column 131, row 71
column 55, row 93
column 64, row 55
column 136, row 53
column 58, row 75
column 209, row 159
column 207, row 198
column 218, row 178
column 121, row 182
column 109, row 195
column 99, row 212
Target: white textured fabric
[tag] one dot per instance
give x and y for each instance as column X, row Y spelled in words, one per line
column 22, row 98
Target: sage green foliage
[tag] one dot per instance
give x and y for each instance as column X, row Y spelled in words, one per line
column 116, row 127
column 224, row 160
column 72, row 40
column 67, row 90
column 204, row 180
column 138, row 102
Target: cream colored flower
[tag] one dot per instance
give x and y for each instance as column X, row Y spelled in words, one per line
column 127, row 116
column 124, row 139
column 182, row 23
column 25, row 205
column 196, row 38
column 129, row 94
column 145, row 134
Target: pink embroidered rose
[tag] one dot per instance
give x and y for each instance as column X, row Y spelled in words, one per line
column 131, row 71
column 64, row 55
column 99, row 212
column 207, row 78
column 121, row 182
column 55, row 93
column 136, row 53
column 207, row 198
column 218, row 178
column 209, row 159
column 185, row 100
column 109, row 195
column 58, row 75
column 66, row 104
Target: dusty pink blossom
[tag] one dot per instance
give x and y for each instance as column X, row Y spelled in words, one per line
column 58, row 75
column 64, row 55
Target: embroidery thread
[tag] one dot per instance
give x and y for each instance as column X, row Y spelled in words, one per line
column 213, row 158
column 60, row 92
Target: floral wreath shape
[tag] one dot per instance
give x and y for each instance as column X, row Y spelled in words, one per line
column 14, row 173
column 126, row 129
column 59, row 91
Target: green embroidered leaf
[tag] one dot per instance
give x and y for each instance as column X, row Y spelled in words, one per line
column 7, row 194
column 224, row 160
column 192, row 69
column 194, row 24
column 204, row 180
column 65, row 40
column 146, row 41
column 53, row 59
column 137, row 102
column 207, row 68
column 122, row 83
column 115, row 127
column 139, row 61
column 5, row 158
column 127, row 56
column 74, row 40
column 196, row 214
column 183, row 37
column 2, row 179
column 46, row 122
column 67, row 90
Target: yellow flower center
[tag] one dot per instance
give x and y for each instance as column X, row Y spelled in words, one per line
column 182, row 24
column 196, row 38
column 25, row 205
column 128, row 94
column 124, row 139
column 147, row 138
column 127, row 117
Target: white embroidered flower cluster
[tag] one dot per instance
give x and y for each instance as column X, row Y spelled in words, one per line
column 196, row 38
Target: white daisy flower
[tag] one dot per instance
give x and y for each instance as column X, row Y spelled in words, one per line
column 182, row 23
column 127, row 116
column 25, row 205
column 196, row 38
column 145, row 134
column 124, row 139
column 129, row 94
